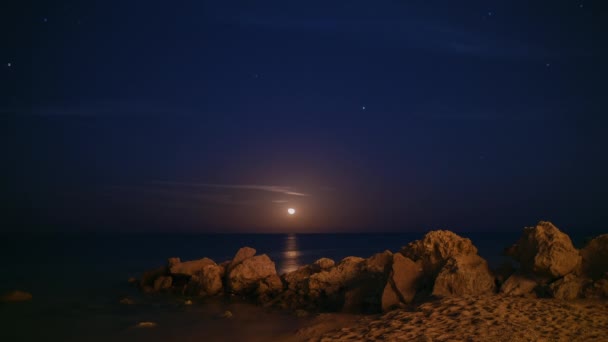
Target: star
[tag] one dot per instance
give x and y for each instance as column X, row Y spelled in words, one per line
column 363, row 107
column 548, row 65
column 490, row 14
column 9, row 64
column 45, row 20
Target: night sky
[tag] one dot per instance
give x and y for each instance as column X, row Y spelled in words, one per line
column 217, row 116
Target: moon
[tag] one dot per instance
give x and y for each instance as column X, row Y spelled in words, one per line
column 291, row 211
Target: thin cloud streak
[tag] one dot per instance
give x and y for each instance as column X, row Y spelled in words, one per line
column 285, row 190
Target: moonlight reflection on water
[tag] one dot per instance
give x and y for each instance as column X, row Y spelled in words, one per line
column 290, row 254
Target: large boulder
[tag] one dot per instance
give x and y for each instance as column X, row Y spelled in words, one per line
column 364, row 292
column 148, row 278
column 245, row 276
column 188, row 268
column 545, row 251
column 378, row 263
column 322, row 264
column 402, row 282
column 595, row 258
column 569, row 287
column 436, row 248
column 211, row 279
column 162, row 283
column 241, row 254
column 268, row 288
column 464, row 275
column 599, row 289
column 334, row 279
column 519, row 285
column 298, row 280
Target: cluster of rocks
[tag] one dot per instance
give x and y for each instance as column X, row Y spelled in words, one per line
column 440, row 264
column 246, row 274
column 550, row 266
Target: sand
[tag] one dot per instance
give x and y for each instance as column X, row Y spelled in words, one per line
column 490, row 318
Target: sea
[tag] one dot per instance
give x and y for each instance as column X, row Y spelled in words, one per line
column 78, row 280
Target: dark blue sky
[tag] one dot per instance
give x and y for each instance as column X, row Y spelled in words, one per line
column 214, row 116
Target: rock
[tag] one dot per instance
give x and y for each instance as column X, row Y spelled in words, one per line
column 322, row 264
column 464, row 275
column 188, row 302
column 545, row 251
column 390, row 299
column 403, row 280
column 173, row 261
column 353, row 300
column 189, row 268
column 599, row 289
column 363, row 292
column 209, row 280
column 244, row 277
column 569, row 287
column 436, row 248
column 226, row 314
column 268, row 288
column 503, row 272
column 132, row 281
column 241, row 254
column 595, row 258
column 149, row 277
column 16, row 296
column 272, row 283
column 378, row 263
column 298, row 279
column 146, row 325
column 162, row 283
column 333, row 280
column 519, row 285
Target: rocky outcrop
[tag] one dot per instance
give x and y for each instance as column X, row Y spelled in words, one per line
column 188, row 268
column 599, row 289
column 440, row 264
column 241, row 254
column 244, row 277
column 569, row 287
column 329, row 282
column 595, row 258
column 545, row 251
column 402, row 283
column 436, row 248
column 162, row 283
column 322, row 264
column 208, row 282
column 519, row 285
column 464, row 275
column 364, row 291
column 450, row 265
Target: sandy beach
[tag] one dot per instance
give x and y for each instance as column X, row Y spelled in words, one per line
column 489, row 318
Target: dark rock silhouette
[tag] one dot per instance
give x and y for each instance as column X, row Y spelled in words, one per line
column 441, row 264
column 545, row 251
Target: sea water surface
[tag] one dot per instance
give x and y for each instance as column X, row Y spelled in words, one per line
column 77, row 281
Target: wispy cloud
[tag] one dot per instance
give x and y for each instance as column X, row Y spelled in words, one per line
column 285, row 190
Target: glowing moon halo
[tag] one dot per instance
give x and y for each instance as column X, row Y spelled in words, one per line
column 291, row 211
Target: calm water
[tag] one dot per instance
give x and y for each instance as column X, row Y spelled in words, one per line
column 77, row 280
